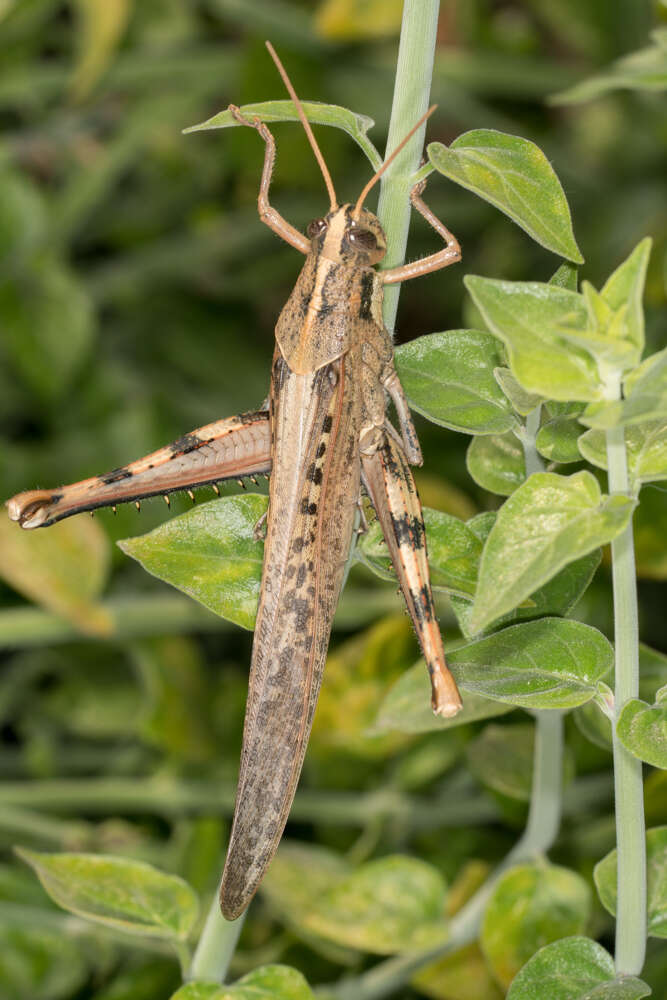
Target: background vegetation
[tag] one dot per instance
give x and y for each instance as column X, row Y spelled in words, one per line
column 138, row 293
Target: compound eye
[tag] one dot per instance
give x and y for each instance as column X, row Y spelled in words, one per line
column 316, row 228
column 364, row 239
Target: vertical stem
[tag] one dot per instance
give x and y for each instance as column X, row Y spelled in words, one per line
column 412, row 88
column 532, row 457
column 547, row 789
column 630, row 828
column 215, row 946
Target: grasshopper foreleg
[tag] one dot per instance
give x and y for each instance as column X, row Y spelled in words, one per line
column 226, row 449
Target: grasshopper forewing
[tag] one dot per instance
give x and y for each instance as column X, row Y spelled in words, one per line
column 326, row 433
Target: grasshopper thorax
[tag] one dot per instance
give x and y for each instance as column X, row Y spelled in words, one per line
column 356, row 242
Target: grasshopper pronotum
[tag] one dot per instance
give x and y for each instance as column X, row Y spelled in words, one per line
column 324, row 435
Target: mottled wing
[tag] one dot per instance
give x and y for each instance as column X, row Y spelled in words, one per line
column 388, row 479
column 227, row 449
column 314, row 490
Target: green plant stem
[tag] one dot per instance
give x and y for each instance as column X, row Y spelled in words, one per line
column 216, row 945
column 539, row 834
column 171, row 798
column 412, row 88
column 531, row 455
column 630, row 827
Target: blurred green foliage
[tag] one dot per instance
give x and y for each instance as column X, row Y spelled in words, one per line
column 138, row 293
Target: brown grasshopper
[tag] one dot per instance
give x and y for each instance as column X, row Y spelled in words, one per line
column 324, row 435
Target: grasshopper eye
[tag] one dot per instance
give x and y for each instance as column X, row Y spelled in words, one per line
column 364, row 239
column 316, row 228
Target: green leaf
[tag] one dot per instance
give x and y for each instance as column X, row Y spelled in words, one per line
column 548, row 522
column 390, row 905
column 645, row 397
column 39, row 963
column 531, row 906
column 269, row 982
column 529, row 317
column 605, row 876
column 64, row 569
column 23, row 224
column 48, row 324
column 501, row 758
column 513, row 174
column 565, row 277
column 646, row 445
column 460, row 975
column 557, row 440
column 645, row 69
column 522, row 402
column 557, row 597
column 624, row 290
column 448, row 377
column 642, row 729
column 549, row 663
column 496, row 462
column 407, row 706
column 453, row 552
column 100, row 27
column 355, row 20
column 354, row 124
column 574, row 968
column 211, row 554
column 118, row 892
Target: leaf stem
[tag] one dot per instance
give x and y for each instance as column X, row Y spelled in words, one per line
column 539, row 834
column 216, row 946
column 527, row 436
column 412, row 88
column 630, row 827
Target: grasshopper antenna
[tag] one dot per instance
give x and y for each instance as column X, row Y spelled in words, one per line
column 364, row 194
column 306, row 124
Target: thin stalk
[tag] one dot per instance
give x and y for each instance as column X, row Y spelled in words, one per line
column 630, row 827
column 527, row 436
column 412, row 88
column 173, row 798
column 541, row 830
column 216, row 945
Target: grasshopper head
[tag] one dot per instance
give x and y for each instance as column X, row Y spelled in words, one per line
column 340, row 236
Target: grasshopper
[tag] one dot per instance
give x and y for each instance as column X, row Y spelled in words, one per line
column 322, row 436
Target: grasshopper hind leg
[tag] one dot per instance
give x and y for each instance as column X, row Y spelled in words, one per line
column 227, row 449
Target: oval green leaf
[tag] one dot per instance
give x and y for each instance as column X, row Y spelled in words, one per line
column 407, row 706
column 549, row 663
column 513, row 174
column 548, row 522
column 496, row 462
column 529, row 318
column 531, row 906
column 522, row 402
column 39, row 963
column 269, row 982
column 211, row 554
column 64, row 569
column 501, row 758
column 557, row 440
column 391, row 905
column 354, row 124
column 605, row 873
column 642, row 730
column 646, row 445
column 129, row 895
column 574, row 968
column 448, row 377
